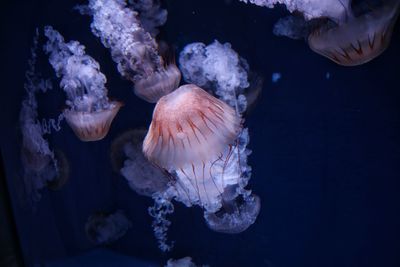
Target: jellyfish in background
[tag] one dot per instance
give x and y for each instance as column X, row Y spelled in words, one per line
column 351, row 35
column 190, row 133
column 105, row 228
column 90, row 112
column 41, row 166
column 128, row 160
column 133, row 48
column 357, row 40
column 151, row 15
column 183, row 262
column 221, row 71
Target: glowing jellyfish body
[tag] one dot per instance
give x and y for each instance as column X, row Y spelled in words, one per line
column 353, row 40
column 105, row 228
column 191, row 131
column 357, row 40
column 189, row 125
column 133, row 48
column 234, row 218
column 143, row 177
column 196, row 137
column 90, row 112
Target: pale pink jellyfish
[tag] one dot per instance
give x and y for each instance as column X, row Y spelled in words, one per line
column 356, row 39
column 348, row 37
column 189, row 126
column 90, row 112
column 199, row 140
column 132, row 47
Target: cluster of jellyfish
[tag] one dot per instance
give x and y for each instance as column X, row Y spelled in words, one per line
column 195, row 149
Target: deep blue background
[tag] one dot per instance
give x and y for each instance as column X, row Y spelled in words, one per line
column 326, row 152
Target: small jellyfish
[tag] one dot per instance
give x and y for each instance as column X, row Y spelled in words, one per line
column 356, row 40
column 341, row 32
column 105, row 228
column 128, row 160
column 235, row 216
column 183, row 262
column 161, row 83
column 90, row 112
column 133, row 48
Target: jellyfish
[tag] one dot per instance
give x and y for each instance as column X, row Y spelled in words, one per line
column 350, row 35
column 41, row 165
column 199, row 140
column 183, row 262
column 105, row 228
column 90, row 112
column 189, row 132
column 200, row 143
column 151, row 15
column 234, row 217
column 133, row 48
column 227, row 75
column 357, row 40
column 220, row 70
column 128, row 160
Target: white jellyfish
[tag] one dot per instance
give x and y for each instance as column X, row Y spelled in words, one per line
column 128, row 160
column 151, row 15
column 105, row 228
column 133, row 48
column 219, row 68
column 351, row 36
column 41, row 165
column 90, row 112
column 183, row 262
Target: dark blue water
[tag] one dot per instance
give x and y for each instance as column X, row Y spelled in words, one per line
column 326, row 152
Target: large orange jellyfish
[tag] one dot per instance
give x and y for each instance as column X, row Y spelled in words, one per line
column 89, row 111
column 348, row 37
column 199, row 140
column 132, row 45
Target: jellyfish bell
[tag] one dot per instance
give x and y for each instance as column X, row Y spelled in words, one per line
column 158, row 84
column 357, row 40
column 235, row 216
column 189, row 126
column 92, row 125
